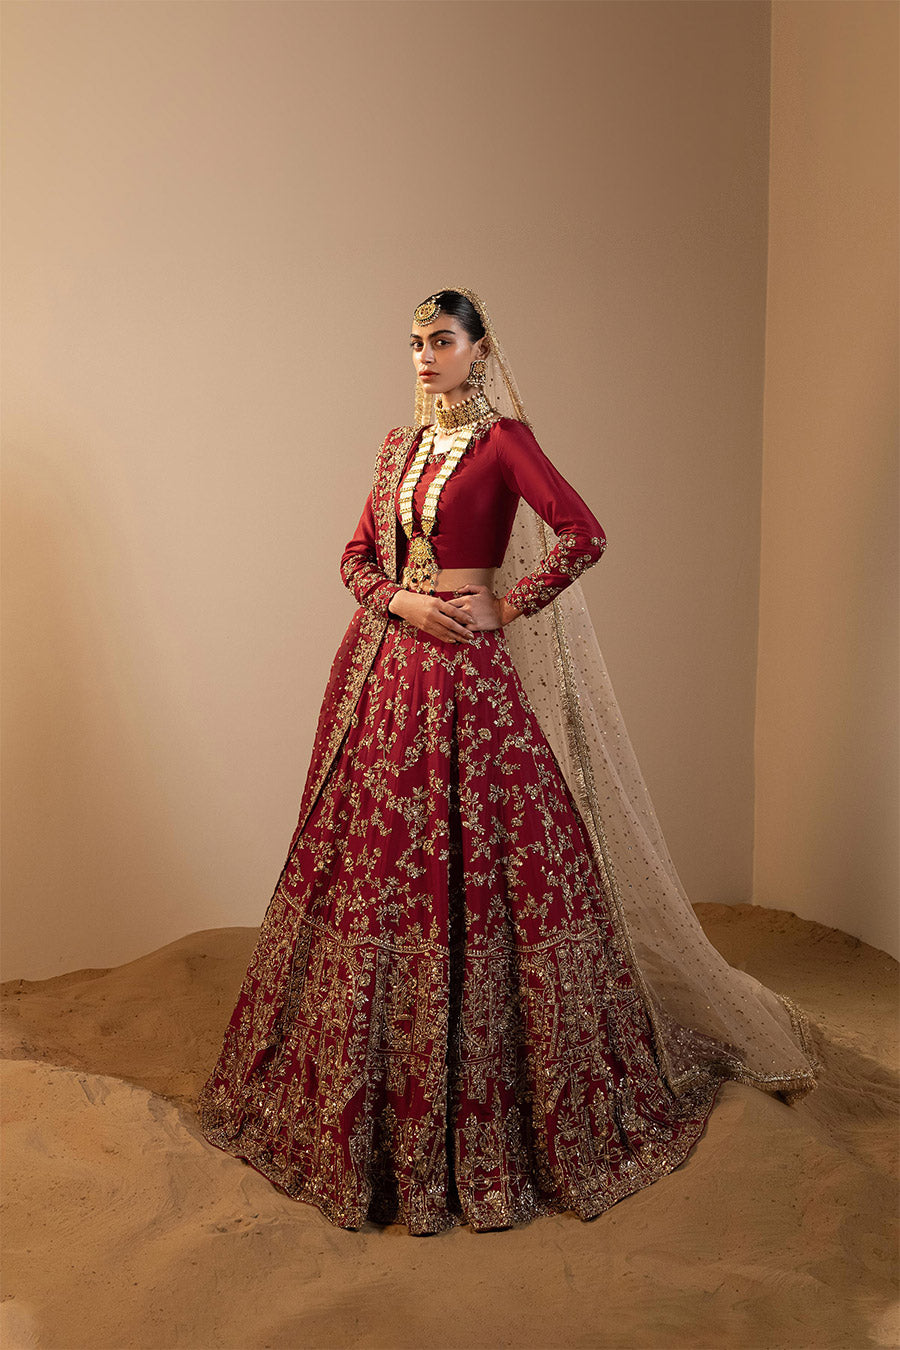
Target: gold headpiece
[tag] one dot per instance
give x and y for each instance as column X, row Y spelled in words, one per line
column 428, row 311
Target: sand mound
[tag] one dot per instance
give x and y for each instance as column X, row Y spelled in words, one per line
column 124, row 1228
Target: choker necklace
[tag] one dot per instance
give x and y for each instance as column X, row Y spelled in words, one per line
column 470, row 412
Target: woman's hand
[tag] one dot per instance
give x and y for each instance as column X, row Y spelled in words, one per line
column 433, row 615
column 483, row 608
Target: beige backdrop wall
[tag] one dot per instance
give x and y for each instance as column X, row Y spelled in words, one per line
column 827, row 807
column 218, row 220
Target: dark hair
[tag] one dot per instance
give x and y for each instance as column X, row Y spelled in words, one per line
column 451, row 302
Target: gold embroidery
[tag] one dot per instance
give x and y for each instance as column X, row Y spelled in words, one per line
column 373, row 621
column 561, row 566
column 439, row 1023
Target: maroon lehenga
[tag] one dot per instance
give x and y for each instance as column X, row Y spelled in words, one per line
column 439, row 1024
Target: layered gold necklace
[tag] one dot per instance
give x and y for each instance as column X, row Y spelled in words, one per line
column 469, row 418
column 421, row 564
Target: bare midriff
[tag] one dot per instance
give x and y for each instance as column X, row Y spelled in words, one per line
column 451, row 578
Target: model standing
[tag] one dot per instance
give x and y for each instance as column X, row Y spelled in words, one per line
column 479, row 993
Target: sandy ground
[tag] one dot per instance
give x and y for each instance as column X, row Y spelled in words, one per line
column 124, row 1228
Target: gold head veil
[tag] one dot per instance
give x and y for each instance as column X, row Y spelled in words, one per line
column 707, row 1016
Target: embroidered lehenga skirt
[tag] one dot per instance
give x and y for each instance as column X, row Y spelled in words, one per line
column 439, row 1024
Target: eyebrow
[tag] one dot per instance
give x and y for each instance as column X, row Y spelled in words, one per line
column 451, row 332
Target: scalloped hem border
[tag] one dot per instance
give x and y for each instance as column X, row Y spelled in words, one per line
column 619, row 1188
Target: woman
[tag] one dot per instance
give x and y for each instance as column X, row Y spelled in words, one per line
column 479, row 993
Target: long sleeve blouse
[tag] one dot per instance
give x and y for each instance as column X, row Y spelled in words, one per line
column 475, row 516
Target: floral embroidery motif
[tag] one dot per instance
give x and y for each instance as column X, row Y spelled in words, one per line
column 368, row 584
column 439, row 1023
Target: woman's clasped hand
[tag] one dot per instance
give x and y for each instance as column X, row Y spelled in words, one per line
column 472, row 609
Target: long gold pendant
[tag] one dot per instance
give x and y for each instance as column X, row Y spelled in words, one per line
column 421, row 568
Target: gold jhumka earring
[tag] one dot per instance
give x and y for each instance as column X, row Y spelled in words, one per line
column 477, row 373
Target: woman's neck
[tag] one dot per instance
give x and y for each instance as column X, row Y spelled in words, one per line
column 454, row 396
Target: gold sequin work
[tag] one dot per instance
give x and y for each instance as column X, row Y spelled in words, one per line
column 443, row 1020
column 438, row 1025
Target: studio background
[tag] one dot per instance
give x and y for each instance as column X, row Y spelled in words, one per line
column 217, row 222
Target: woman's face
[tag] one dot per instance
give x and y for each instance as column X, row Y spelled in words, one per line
column 442, row 353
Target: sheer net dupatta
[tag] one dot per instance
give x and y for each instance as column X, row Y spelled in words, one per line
column 707, row 1016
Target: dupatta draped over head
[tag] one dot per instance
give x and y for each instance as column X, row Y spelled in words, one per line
column 708, row 1018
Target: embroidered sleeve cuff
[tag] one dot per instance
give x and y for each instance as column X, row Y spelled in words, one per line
column 572, row 555
column 370, row 586
column 384, row 597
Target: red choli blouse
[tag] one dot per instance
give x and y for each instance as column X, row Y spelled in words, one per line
column 475, row 518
